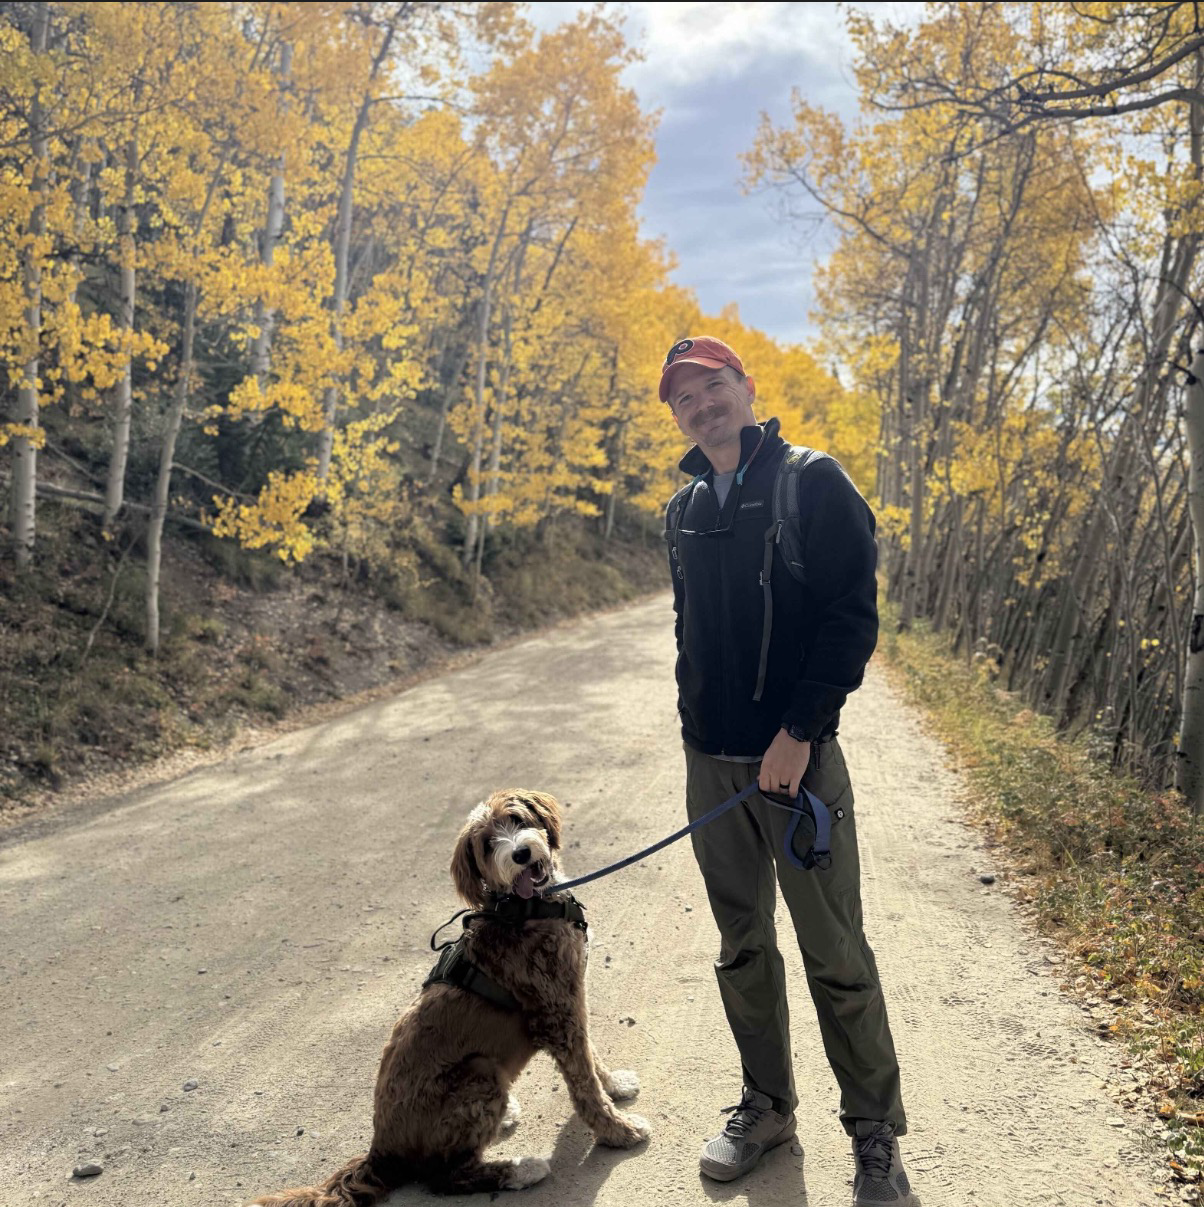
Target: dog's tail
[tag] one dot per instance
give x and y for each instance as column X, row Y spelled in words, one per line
column 360, row 1183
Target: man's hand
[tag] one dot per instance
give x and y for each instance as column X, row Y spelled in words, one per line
column 784, row 764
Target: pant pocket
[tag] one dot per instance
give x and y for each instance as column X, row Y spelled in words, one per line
column 828, row 776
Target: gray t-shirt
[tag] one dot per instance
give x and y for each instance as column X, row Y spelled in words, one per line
column 722, row 485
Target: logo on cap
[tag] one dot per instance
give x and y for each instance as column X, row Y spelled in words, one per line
column 679, row 349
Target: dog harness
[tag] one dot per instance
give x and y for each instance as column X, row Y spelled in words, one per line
column 456, row 969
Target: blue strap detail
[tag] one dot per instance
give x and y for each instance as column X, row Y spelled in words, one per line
column 821, row 850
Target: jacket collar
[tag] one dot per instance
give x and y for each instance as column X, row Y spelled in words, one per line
column 695, row 462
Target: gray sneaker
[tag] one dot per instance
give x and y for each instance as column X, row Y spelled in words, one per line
column 753, row 1129
column 880, row 1177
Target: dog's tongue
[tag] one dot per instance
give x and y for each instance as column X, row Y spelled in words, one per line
column 523, row 886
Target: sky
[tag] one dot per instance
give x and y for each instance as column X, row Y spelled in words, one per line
column 712, row 69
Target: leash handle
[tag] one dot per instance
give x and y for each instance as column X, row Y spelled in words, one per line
column 822, row 847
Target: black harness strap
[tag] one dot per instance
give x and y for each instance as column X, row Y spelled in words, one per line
column 517, row 910
column 456, row 969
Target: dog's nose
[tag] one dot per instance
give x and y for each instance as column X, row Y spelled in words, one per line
column 522, row 854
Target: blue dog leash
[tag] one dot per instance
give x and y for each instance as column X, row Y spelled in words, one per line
column 822, row 847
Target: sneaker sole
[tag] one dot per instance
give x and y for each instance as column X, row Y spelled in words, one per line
column 729, row 1173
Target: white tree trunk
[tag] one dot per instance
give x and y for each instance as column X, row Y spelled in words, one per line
column 342, row 247
column 261, row 355
column 444, row 406
column 474, row 474
column 1189, row 765
column 495, row 452
column 175, row 415
column 25, row 449
column 123, row 403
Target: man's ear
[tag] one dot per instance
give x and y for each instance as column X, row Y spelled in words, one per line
column 752, row 389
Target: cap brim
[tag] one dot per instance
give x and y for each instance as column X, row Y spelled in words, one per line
column 707, row 362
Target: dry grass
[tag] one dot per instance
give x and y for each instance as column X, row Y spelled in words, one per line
column 1114, row 872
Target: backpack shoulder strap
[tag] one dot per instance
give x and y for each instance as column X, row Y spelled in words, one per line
column 673, row 515
column 786, row 533
column 785, row 505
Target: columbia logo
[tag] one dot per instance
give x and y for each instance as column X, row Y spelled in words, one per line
column 751, row 504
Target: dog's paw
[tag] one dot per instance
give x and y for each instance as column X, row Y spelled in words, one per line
column 524, row 1172
column 625, row 1132
column 623, row 1083
column 512, row 1114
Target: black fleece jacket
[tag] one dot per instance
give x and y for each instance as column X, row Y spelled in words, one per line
column 824, row 629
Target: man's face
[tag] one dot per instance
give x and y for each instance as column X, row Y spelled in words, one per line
column 711, row 406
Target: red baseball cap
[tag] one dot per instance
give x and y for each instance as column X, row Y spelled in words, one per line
column 704, row 350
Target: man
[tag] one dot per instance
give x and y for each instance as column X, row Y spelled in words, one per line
column 760, row 689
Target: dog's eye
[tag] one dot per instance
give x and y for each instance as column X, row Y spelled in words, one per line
column 487, row 845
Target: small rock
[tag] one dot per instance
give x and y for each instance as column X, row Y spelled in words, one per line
column 163, row 1107
column 100, row 1131
column 87, row 1171
column 189, row 1085
column 192, row 1177
column 987, row 878
column 201, row 971
column 1116, row 1123
column 112, row 1068
column 797, row 1149
column 628, row 1020
column 689, row 909
column 300, row 1131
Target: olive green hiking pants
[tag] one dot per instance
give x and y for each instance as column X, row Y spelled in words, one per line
column 737, row 855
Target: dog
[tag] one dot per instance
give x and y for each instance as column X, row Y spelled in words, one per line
column 443, row 1089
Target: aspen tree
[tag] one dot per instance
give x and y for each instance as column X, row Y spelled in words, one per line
column 25, row 436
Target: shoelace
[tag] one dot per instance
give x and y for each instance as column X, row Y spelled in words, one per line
column 876, row 1150
column 745, row 1117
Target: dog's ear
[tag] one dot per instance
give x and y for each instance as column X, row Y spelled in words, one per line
column 547, row 810
column 466, row 873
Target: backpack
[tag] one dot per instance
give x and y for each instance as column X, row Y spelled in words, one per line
column 784, row 531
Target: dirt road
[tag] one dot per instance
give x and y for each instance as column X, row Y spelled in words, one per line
column 255, row 928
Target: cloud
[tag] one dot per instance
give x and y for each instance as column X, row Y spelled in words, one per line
column 686, row 43
column 712, row 70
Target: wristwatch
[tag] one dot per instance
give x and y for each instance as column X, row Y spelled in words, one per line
column 796, row 732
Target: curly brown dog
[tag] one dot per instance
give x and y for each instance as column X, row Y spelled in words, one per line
column 443, row 1090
